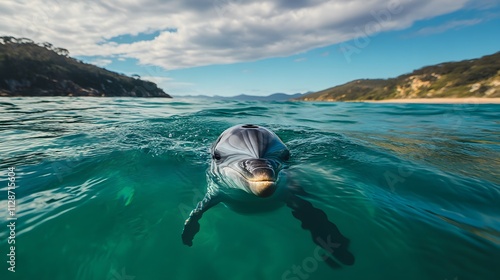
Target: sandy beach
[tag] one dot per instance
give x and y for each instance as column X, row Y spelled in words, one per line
column 469, row 100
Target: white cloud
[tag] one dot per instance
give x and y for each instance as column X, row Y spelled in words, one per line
column 172, row 85
column 159, row 80
column 483, row 4
column 209, row 31
column 455, row 24
column 101, row 62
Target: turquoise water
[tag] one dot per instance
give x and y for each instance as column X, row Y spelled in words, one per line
column 104, row 186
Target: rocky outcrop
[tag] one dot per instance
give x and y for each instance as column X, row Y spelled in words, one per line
column 29, row 69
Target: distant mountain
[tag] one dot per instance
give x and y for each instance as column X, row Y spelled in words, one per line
column 193, row 96
column 245, row 97
column 30, row 69
column 272, row 97
column 468, row 78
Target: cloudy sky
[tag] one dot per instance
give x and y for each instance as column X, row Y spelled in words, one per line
column 229, row 47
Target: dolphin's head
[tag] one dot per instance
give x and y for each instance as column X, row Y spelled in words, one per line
column 250, row 158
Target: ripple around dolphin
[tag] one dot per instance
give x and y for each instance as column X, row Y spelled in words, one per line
column 106, row 184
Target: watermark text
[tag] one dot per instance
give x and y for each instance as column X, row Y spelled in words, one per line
column 11, row 220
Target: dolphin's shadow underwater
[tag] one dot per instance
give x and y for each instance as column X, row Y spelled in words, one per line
column 247, row 174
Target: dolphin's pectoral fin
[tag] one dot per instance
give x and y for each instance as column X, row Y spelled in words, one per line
column 192, row 226
column 324, row 233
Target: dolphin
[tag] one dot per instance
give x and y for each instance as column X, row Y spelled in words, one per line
column 248, row 174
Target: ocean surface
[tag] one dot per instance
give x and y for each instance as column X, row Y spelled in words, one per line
column 103, row 186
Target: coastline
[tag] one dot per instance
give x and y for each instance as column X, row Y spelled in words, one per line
column 467, row 100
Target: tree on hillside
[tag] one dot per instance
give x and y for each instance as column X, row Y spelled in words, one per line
column 61, row 51
column 47, row 45
column 25, row 41
column 8, row 39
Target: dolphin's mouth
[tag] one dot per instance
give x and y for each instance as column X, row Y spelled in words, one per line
column 257, row 175
column 262, row 188
column 260, row 176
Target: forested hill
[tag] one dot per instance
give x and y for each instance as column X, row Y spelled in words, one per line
column 468, row 78
column 31, row 69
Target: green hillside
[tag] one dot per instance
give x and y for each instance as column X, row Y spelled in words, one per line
column 468, row 78
column 30, row 69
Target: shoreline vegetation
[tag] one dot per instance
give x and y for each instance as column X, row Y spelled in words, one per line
column 40, row 69
column 467, row 100
column 444, row 82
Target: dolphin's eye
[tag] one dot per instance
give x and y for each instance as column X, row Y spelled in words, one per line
column 216, row 156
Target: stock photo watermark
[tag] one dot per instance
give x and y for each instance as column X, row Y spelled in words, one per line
column 222, row 7
column 381, row 19
column 311, row 263
column 64, row 168
column 455, row 116
column 394, row 178
column 122, row 275
column 34, row 23
column 11, row 218
column 185, row 209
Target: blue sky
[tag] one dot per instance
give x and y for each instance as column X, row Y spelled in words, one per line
column 229, row 47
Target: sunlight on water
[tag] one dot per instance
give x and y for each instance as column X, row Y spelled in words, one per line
column 104, row 186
